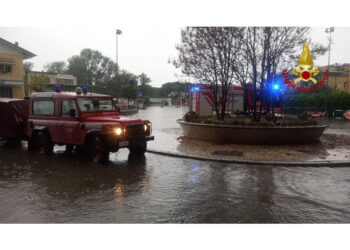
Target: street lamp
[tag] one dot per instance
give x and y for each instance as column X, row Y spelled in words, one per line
column 330, row 31
column 118, row 32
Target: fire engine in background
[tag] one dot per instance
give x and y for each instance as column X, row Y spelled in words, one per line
column 89, row 122
column 238, row 100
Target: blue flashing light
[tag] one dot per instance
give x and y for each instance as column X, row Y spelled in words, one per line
column 276, row 86
column 194, row 89
column 195, row 167
column 85, row 90
column 58, row 88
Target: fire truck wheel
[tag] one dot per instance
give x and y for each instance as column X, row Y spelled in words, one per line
column 97, row 150
column 80, row 150
column 69, row 149
column 138, row 148
column 40, row 142
column 13, row 143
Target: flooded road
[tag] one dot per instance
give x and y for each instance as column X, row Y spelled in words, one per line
column 158, row 189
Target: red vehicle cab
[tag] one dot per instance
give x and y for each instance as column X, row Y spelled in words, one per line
column 84, row 121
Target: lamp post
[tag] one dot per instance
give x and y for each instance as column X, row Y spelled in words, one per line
column 328, row 30
column 118, row 32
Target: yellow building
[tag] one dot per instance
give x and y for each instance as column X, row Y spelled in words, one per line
column 11, row 69
column 339, row 76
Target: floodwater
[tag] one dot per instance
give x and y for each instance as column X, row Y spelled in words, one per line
column 158, row 189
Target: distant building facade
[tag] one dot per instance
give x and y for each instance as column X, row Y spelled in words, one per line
column 65, row 81
column 154, row 100
column 11, row 69
column 339, row 76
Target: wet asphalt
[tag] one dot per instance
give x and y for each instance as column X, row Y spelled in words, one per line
column 64, row 188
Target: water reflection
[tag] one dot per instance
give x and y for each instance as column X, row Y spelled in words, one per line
column 194, row 173
column 70, row 178
column 13, row 161
column 160, row 189
column 335, row 123
column 162, row 117
column 135, row 163
column 265, row 185
column 257, row 191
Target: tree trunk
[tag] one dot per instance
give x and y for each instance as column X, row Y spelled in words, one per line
column 223, row 101
column 215, row 98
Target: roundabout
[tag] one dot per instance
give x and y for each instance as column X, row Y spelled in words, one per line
column 254, row 135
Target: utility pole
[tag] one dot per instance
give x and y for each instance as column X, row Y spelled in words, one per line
column 118, row 32
column 328, row 30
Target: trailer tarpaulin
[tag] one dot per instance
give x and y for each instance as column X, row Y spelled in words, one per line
column 13, row 118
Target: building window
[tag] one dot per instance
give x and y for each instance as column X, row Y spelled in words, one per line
column 6, row 92
column 65, row 82
column 44, row 107
column 5, row 68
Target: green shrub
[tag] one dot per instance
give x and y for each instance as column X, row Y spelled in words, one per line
column 316, row 101
column 146, row 101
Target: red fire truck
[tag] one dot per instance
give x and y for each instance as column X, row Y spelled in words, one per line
column 238, row 100
column 81, row 120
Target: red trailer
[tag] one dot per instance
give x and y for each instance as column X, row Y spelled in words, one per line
column 14, row 115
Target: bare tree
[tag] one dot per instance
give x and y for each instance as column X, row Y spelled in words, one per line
column 209, row 54
column 266, row 51
column 252, row 56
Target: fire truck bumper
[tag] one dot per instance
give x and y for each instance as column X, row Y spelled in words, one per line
column 150, row 138
column 123, row 144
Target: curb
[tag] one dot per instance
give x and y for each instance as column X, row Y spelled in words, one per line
column 250, row 162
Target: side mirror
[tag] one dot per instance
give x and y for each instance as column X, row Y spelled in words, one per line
column 72, row 113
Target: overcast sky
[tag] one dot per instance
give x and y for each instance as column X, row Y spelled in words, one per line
column 141, row 49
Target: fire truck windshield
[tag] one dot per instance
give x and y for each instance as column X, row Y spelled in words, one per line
column 95, row 104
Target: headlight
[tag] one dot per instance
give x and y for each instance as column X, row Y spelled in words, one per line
column 118, row 131
column 145, row 127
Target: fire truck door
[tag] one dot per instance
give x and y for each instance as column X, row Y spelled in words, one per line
column 68, row 124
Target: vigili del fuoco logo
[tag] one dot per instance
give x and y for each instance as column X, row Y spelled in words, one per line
column 305, row 72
